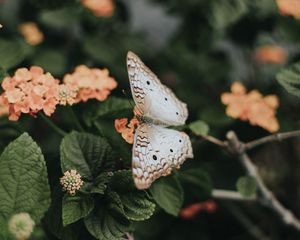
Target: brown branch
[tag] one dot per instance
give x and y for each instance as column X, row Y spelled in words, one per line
column 266, row 196
column 214, row 140
column 272, row 138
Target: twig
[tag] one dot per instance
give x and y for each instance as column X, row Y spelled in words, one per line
column 275, row 137
column 231, row 195
column 214, row 140
column 75, row 119
column 266, row 196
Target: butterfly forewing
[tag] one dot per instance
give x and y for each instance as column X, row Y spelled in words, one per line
column 155, row 100
column 156, row 151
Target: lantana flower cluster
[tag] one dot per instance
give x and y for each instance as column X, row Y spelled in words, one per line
column 32, row 90
column 126, row 129
column 100, row 8
column 21, row 226
column 71, row 182
column 91, row 83
column 252, row 107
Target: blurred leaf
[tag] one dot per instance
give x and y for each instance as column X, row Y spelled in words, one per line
column 61, row 18
column 50, row 60
column 24, row 180
column 199, row 128
column 289, row 78
column 197, row 183
column 12, row 53
column 75, row 208
column 90, row 155
column 3, row 73
column 136, row 204
column 52, row 4
column 108, row 222
column 246, row 186
column 225, row 13
column 168, row 194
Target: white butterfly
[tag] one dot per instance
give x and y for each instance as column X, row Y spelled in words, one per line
column 156, row 149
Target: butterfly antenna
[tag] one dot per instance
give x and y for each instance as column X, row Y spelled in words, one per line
column 124, row 92
column 130, row 103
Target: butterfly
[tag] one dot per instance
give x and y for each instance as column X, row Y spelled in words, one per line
column 156, row 148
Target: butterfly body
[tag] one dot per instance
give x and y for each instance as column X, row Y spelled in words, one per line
column 156, row 149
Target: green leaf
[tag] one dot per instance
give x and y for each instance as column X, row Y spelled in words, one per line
column 289, row 78
column 197, row 183
column 61, row 18
column 225, row 13
column 136, row 204
column 12, row 53
column 52, row 4
column 112, row 108
column 90, row 155
column 52, row 61
column 75, row 208
column 199, row 128
column 168, row 194
column 246, row 186
column 23, row 179
column 108, row 222
column 100, row 183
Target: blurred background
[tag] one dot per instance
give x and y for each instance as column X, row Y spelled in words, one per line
column 198, row 48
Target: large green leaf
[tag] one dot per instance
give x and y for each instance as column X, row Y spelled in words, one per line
column 136, row 204
column 75, row 208
column 108, row 222
column 90, row 155
column 168, row 194
column 197, row 183
column 23, row 179
column 12, row 53
column 289, row 78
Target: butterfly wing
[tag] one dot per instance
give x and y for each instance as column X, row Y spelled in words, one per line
column 156, row 151
column 155, row 100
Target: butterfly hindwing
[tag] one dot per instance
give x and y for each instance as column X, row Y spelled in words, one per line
column 155, row 100
column 156, row 151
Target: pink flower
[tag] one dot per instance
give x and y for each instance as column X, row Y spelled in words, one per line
column 30, row 91
column 252, row 107
column 100, row 8
column 91, row 83
column 31, row 33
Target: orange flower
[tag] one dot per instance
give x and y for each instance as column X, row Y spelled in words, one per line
column 126, row 130
column 91, row 83
column 100, row 8
column 192, row 210
column 66, row 94
column 271, row 54
column 29, row 91
column 252, row 107
column 31, row 33
column 289, row 7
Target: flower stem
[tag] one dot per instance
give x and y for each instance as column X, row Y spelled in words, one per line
column 75, row 119
column 52, row 125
